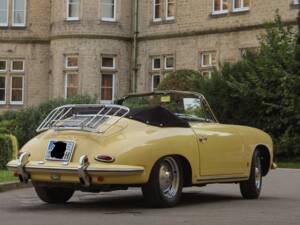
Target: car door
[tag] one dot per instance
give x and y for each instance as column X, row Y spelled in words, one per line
column 221, row 148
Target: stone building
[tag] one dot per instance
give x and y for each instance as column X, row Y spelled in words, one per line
column 60, row 48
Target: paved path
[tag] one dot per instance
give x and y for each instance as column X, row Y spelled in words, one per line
column 219, row 204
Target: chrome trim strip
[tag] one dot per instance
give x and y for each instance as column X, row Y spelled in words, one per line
column 75, row 169
column 222, row 180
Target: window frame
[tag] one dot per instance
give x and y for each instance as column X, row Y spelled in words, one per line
column 167, row 9
column 17, row 71
column 11, row 90
column 13, row 15
column 222, row 10
column 210, row 53
column 5, row 89
column 113, row 87
column 159, row 19
column 242, row 8
column 153, row 64
column 109, row 19
column 66, row 83
column 105, row 67
column 71, row 67
column 6, row 69
column 7, row 15
column 152, row 80
column 73, row 18
column 209, row 74
column 165, row 62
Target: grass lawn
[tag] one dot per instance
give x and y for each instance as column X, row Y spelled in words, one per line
column 6, row 175
column 291, row 165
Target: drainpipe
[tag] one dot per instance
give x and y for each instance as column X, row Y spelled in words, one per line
column 135, row 46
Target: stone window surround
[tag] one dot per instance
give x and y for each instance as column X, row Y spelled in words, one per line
column 163, row 62
column 11, row 89
column 10, row 16
column 9, row 74
column 164, row 16
column 13, row 15
column 109, row 19
column 74, row 18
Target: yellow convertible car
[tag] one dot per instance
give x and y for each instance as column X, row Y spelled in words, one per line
column 159, row 141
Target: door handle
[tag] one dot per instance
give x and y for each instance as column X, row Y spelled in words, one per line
column 203, row 139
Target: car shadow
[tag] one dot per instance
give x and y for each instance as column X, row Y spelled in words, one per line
column 124, row 203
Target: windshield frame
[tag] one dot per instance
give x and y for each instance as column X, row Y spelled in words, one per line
column 196, row 94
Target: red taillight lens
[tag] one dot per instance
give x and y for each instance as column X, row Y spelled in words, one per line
column 104, row 158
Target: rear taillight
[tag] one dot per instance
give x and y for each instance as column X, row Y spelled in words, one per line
column 104, row 158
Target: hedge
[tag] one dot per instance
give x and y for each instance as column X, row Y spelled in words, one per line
column 6, row 150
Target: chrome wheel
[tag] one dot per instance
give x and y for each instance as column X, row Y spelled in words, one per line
column 169, row 177
column 258, row 176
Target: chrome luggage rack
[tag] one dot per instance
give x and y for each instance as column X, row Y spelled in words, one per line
column 90, row 117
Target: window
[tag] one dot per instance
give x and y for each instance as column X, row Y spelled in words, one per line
column 3, row 13
column 296, row 2
column 71, row 84
column 107, row 87
column 73, row 9
column 220, row 6
column 71, row 62
column 170, row 9
column 155, row 81
column 108, row 10
column 3, row 66
column 16, row 90
column 208, row 59
column 19, row 13
column 241, row 5
column 157, row 10
column 108, row 62
column 156, row 63
column 17, row 66
column 2, row 89
column 206, row 74
column 169, row 62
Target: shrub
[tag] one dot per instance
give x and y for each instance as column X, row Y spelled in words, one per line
column 5, row 150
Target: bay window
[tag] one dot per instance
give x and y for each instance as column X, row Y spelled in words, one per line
column 71, row 84
column 107, row 87
column 17, row 89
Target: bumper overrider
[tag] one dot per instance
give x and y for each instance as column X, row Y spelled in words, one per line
column 83, row 169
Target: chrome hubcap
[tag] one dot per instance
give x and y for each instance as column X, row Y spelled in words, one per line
column 258, row 176
column 169, row 177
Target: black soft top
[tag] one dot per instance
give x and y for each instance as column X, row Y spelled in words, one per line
column 157, row 116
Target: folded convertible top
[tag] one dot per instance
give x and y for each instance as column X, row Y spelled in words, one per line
column 157, row 116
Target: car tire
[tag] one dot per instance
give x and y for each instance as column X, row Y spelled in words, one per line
column 54, row 195
column 251, row 188
column 164, row 187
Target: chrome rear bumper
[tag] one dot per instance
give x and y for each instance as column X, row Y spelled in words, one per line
column 84, row 170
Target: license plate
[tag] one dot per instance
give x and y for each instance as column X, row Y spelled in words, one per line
column 60, row 150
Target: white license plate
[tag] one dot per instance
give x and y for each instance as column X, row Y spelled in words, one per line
column 60, row 150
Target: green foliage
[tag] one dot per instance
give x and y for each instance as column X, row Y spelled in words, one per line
column 180, row 80
column 5, row 150
column 261, row 90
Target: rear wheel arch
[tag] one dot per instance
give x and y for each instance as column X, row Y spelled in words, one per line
column 265, row 158
column 186, row 167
